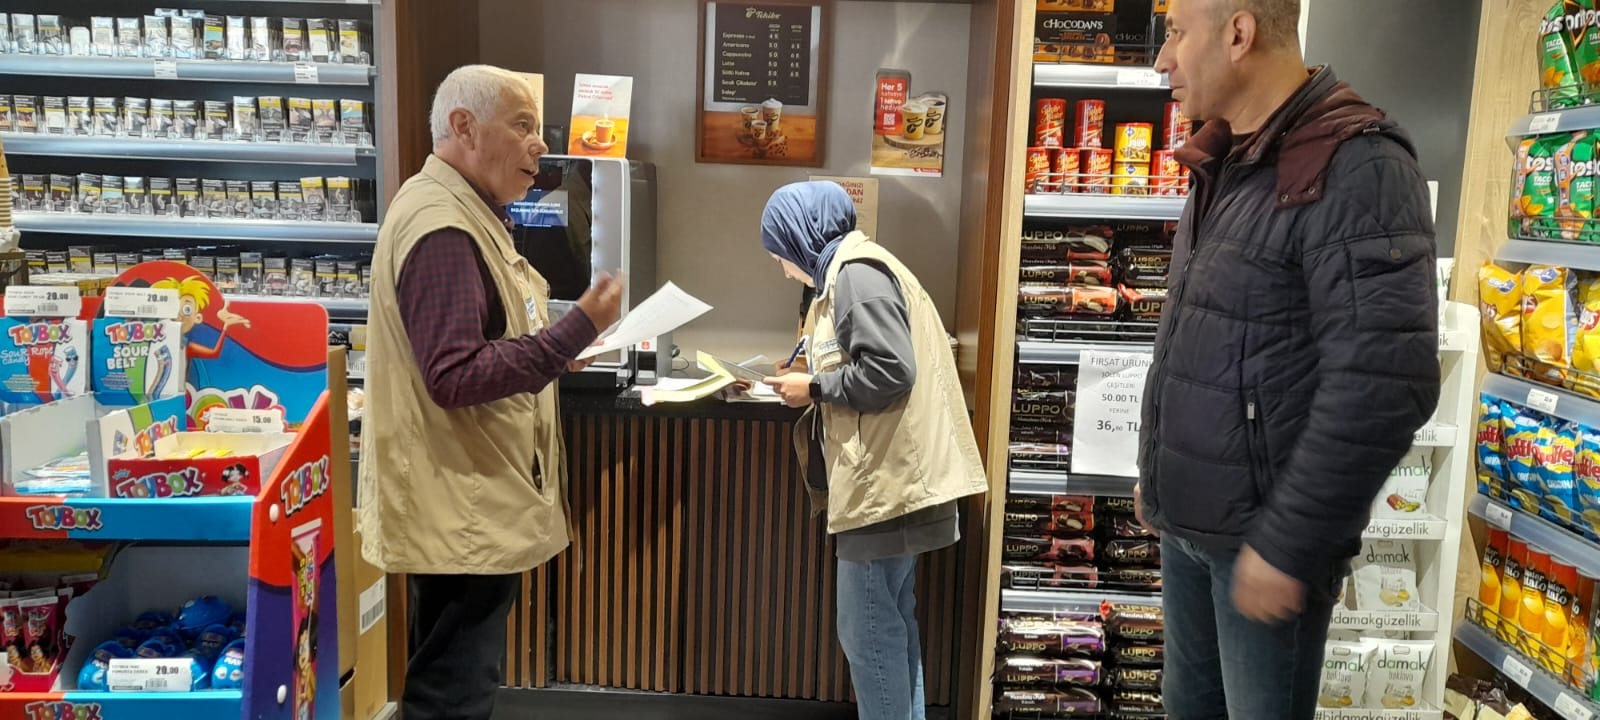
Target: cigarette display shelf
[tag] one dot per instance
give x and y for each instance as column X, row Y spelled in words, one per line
column 1076, row 602
column 1098, row 77
column 197, row 228
column 1526, row 673
column 1094, row 206
column 1581, row 256
column 225, row 71
column 282, row 153
column 1039, row 482
column 1549, row 536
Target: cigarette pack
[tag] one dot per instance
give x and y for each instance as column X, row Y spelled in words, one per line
column 107, row 117
column 111, row 197
column 263, row 41
column 291, row 200
column 351, row 50
column 215, row 195
column 213, row 38
column 251, row 271
column 43, row 364
column 136, row 199
column 293, row 33
column 161, row 200
column 130, row 37
column 245, row 122
column 24, row 34
column 319, row 40
column 264, row 200
column 157, row 36
column 63, row 191
column 80, row 116
column 55, row 115
column 136, row 116
column 161, row 119
column 52, row 35
column 88, row 193
column 217, row 119
column 190, row 199
column 103, row 36
column 238, row 38
column 273, row 122
column 25, row 113
column 238, row 198
column 299, row 119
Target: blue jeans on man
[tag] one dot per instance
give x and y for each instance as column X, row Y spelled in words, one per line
column 1221, row 665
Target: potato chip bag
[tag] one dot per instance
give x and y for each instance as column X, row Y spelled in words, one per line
column 1491, row 452
column 1521, row 224
column 1555, row 453
column 1555, row 57
column 1500, row 300
column 1538, row 199
column 1399, row 670
column 1586, row 477
column 1575, row 187
column 1585, row 39
column 1549, row 317
column 1521, row 432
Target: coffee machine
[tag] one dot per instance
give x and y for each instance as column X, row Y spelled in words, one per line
column 586, row 216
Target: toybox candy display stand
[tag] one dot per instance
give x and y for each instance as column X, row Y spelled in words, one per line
column 192, row 574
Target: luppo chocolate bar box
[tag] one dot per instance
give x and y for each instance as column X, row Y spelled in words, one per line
column 137, row 361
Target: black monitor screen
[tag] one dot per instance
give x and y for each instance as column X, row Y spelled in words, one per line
column 552, row 226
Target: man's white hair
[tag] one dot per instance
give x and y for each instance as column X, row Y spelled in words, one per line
column 481, row 90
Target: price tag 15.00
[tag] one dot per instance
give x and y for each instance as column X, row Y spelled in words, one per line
column 142, row 303
column 150, row 675
column 42, row 301
column 236, row 420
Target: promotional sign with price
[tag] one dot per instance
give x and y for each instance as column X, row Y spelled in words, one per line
column 1105, row 434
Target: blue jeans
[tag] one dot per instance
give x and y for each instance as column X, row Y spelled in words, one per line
column 1221, row 665
column 878, row 629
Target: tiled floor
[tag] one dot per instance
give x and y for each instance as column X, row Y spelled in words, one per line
column 611, row 705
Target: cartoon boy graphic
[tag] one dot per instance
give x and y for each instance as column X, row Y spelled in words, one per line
column 194, row 294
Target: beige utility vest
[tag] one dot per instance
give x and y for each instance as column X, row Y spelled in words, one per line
column 917, row 454
column 474, row 491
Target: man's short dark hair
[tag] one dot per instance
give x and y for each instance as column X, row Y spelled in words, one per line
column 1277, row 21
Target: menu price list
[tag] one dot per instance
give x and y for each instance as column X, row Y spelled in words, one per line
column 763, row 52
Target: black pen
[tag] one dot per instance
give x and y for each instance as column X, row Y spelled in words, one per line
column 798, row 348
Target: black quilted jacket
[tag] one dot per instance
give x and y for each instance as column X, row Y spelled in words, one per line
column 1298, row 350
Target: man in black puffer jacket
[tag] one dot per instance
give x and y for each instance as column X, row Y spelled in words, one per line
column 1296, row 357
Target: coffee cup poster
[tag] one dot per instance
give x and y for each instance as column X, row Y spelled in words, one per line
column 763, row 75
column 908, row 127
column 600, row 105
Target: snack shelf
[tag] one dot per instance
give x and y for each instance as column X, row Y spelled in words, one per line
column 1092, row 206
column 197, row 228
column 1079, row 75
column 1554, row 121
column 1427, row 527
column 199, row 519
column 124, row 706
column 1068, row 353
column 1582, row 256
column 1068, row 601
column 230, row 71
column 1425, row 620
column 1526, row 673
column 1037, row 482
column 1547, row 399
column 1385, row 714
column 1557, row 540
column 201, row 150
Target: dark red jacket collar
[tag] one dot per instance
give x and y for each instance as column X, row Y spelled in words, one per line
column 1301, row 136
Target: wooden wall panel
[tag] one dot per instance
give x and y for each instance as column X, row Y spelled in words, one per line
column 699, row 569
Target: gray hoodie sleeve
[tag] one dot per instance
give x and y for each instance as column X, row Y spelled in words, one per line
column 874, row 329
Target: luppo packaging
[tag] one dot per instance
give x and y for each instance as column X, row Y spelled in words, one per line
column 40, row 359
column 137, row 361
column 1386, row 577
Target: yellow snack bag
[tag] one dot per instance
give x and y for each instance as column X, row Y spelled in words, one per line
column 1586, row 334
column 1500, row 300
column 1548, row 315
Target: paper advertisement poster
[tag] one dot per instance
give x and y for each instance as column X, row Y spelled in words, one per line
column 864, row 193
column 536, row 80
column 761, row 94
column 600, row 106
column 908, row 127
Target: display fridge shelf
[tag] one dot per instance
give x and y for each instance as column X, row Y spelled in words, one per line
column 1080, row 75
column 200, row 519
column 1036, row 482
column 197, row 228
column 197, row 150
column 1091, row 206
column 1050, row 602
column 1526, row 673
column 1559, row 541
column 203, row 70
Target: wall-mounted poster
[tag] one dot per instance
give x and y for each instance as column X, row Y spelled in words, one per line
column 536, row 81
column 763, row 80
column 600, row 105
column 908, row 127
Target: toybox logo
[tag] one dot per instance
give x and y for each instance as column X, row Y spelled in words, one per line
column 61, row 517
column 302, row 486
column 40, row 334
column 62, row 710
column 124, row 333
column 162, row 485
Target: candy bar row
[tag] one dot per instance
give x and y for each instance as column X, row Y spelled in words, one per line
column 188, row 34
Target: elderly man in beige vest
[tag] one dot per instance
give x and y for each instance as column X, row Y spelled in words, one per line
column 462, row 472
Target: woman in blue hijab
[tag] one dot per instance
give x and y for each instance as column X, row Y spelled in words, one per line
column 872, row 329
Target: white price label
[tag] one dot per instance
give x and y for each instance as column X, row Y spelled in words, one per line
column 1517, row 670
column 1498, row 515
column 1105, row 434
column 166, row 70
column 1136, row 77
column 357, row 365
column 142, row 303
column 374, row 604
column 1546, row 123
column 1572, row 708
column 150, row 675
column 237, row 420
column 41, row 301
column 305, row 73
column 1542, row 400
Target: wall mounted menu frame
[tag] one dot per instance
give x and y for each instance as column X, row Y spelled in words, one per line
column 762, row 96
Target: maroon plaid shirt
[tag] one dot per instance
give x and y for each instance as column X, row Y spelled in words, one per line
column 452, row 313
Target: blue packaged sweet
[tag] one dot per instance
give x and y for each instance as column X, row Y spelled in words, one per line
column 199, row 670
column 229, row 672
column 201, row 613
column 237, row 622
column 131, row 637
column 153, row 619
column 93, row 675
column 169, row 636
column 213, row 639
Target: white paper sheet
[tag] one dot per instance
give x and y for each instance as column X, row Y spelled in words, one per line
column 668, row 309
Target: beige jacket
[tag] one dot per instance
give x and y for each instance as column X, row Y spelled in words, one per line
column 917, row 454
column 474, row 491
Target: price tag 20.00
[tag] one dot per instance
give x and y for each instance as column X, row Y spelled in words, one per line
column 150, row 675
column 1519, row 672
column 42, row 301
column 142, row 303
column 1571, row 708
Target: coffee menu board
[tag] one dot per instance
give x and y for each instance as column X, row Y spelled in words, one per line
column 763, row 79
